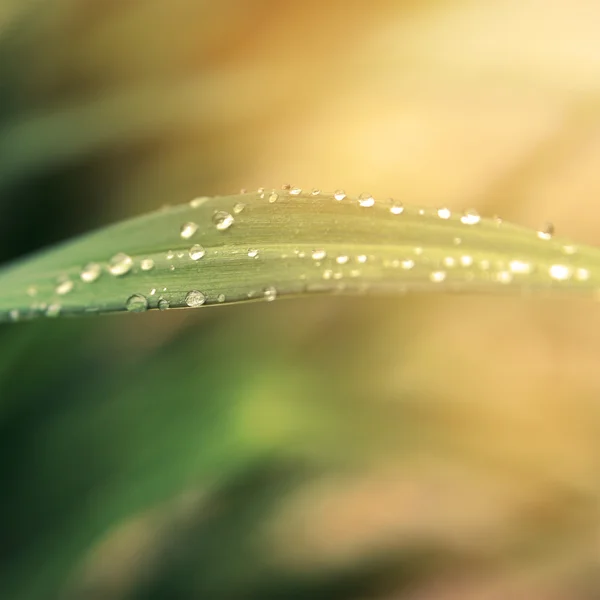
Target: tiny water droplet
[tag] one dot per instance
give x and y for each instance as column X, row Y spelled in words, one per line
column 319, row 254
column 437, row 276
column 560, row 272
column 569, row 249
column 315, row 192
column 295, row 191
column 273, row 197
column 361, row 258
column 342, row 259
column 221, row 298
column 137, row 303
column 449, row 261
column 504, row 277
column 53, row 310
column 163, row 304
column 170, row 255
column 366, row 200
column 222, row 220
column 197, row 202
column 547, row 232
column 120, row 264
column 470, row 217
column 252, row 253
column 327, row 274
column 147, row 264
column 195, row 298
column 397, row 208
column 197, row 252
column 188, row 230
column 90, row 272
column 270, row 293
column 339, row 195
column 407, row 264
column 582, row 274
column 519, row 266
column 64, row 287
column 171, row 267
column 466, row 260
column 238, row 208
column 444, row 213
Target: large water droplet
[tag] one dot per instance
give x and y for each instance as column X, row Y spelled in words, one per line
column 397, row 208
column 270, row 293
column 197, row 252
column 137, row 303
column 547, row 232
column 64, row 287
column 188, row 230
column 366, row 200
column 195, row 298
column 147, row 264
column 339, row 195
column 222, row 220
column 470, row 217
column 120, row 264
column 90, row 272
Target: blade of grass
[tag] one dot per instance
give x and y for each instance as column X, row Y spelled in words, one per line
column 269, row 244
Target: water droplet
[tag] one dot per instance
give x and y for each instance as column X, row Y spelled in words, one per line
column 569, row 249
column 547, row 232
column 197, row 252
column 170, row 255
column 449, row 261
column 273, row 197
column 466, row 260
column 444, row 213
column 504, row 277
column 195, row 298
column 366, row 200
column 153, row 291
column 238, row 208
column 180, row 254
column 339, row 195
column 327, row 274
column 520, row 267
column 418, row 250
column 188, row 230
column 120, row 264
column 221, row 298
column 147, row 264
column 437, row 276
column 582, row 274
column 137, row 303
column 397, row 208
column 163, row 304
column 319, row 254
column 64, row 287
column 560, row 272
column 295, row 191
column 222, row 220
column 270, row 293
column 53, row 310
column 361, row 258
column 252, row 253
column 197, row 202
column 470, row 217
column 407, row 264
column 171, row 267
column 90, row 272
column 315, row 192
column 342, row 259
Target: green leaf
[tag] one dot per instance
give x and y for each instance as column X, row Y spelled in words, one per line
column 269, row 244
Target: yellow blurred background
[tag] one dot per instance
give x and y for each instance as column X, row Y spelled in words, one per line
column 433, row 448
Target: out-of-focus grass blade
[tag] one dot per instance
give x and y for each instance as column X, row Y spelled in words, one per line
column 269, row 244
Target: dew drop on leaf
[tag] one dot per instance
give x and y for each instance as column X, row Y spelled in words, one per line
column 90, row 272
column 366, row 200
column 120, row 264
column 163, row 304
column 137, row 303
column 195, row 298
column 223, row 220
column 188, row 230
column 53, row 310
column 470, row 217
column 339, row 195
column 197, row 252
column 147, row 264
column 270, row 293
column 64, row 287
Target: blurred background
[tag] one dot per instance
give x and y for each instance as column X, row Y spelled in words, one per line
column 420, row 448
